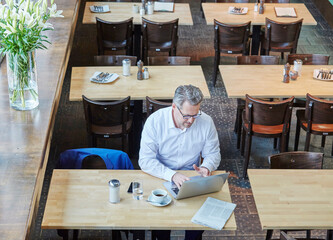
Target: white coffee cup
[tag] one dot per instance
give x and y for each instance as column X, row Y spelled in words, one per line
column 135, row 8
column 158, row 195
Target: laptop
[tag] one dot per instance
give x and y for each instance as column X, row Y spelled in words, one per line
column 197, row 185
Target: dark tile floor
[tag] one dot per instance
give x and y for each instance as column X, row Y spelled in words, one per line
column 195, row 41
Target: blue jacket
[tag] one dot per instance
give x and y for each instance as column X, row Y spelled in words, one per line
column 114, row 159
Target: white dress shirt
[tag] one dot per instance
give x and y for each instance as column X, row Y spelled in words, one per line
column 166, row 148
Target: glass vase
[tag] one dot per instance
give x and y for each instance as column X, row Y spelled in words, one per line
column 22, row 80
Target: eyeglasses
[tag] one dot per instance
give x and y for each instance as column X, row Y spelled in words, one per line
column 186, row 117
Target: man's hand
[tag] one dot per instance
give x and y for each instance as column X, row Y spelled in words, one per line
column 179, row 178
column 202, row 171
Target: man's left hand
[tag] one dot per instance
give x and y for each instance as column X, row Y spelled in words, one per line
column 202, row 171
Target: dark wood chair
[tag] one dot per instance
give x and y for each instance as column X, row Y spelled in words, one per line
column 230, row 39
column 154, row 105
column 309, row 59
column 317, row 119
column 165, row 60
column 108, row 119
column 159, row 37
column 113, row 60
column 251, row 60
column 114, row 36
column 280, row 37
column 265, row 119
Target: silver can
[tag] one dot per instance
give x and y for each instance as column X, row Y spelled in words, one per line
column 126, row 67
column 114, row 191
column 298, row 66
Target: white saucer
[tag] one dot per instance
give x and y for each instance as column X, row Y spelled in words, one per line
column 166, row 202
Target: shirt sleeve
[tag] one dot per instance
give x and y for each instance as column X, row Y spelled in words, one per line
column 148, row 152
column 211, row 150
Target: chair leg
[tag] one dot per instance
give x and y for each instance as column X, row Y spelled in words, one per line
column 275, row 143
column 243, row 142
column 308, row 234
column 93, row 141
column 216, row 66
column 323, row 140
column 298, row 129
column 269, row 234
column 329, row 235
column 247, row 154
column 239, row 129
column 75, row 234
column 116, row 235
column 282, row 55
column 63, row 233
column 307, row 142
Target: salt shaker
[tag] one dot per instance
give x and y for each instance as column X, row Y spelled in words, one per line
column 140, row 73
column 298, row 66
column 142, row 9
column 261, row 7
column 286, row 73
column 126, row 67
column 256, row 6
column 146, row 74
column 114, row 187
column 150, row 8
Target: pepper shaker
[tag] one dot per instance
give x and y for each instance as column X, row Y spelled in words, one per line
column 114, row 187
column 140, row 73
column 261, row 7
column 286, row 73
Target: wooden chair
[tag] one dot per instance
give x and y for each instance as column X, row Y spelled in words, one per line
column 159, row 37
column 309, row 59
column 165, row 60
column 230, row 39
column 317, row 118
column 114, row 36
column 113, row 60
column 280, row 37
column 154, row 105
column 106, row 119
column 251, row 60
column 265, row 119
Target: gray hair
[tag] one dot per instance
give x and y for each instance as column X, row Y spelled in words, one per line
column 188, row 93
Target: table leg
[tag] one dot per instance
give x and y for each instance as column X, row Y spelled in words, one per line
column 138, row 234
column 137, row 41
column 63, row 233
column 255, row 39
column 329, row 234
column 137, row 127
column 269, row 234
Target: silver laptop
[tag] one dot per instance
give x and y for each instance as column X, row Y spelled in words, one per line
column 197, row 186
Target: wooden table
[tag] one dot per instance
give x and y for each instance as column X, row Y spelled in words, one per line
column 121, row 11
column 219, row 11
column 78, row 199
column 293, row 199
column 26, row 135
column 266, row 82
column 162, row 83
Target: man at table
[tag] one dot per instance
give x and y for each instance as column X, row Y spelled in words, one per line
column 176, row 137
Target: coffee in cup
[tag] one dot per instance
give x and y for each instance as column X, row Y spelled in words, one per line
column 158, row 195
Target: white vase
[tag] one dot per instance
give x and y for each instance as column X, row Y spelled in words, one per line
column 22, row 81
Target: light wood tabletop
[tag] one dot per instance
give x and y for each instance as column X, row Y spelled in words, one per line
column 267, row 82
column 121, row 11
column 293, row 199
column 219, row 11
column 162, row 83
column 79, row 199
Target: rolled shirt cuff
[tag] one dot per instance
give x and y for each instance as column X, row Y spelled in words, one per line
column 208, row 166
column 169, row 174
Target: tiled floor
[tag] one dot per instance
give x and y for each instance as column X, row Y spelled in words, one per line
column 197, row 42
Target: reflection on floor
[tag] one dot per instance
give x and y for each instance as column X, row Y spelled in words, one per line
column 197, row 42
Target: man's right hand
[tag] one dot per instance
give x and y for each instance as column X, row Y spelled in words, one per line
column 179, row 178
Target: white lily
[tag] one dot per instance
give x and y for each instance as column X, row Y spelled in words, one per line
column 54, row 12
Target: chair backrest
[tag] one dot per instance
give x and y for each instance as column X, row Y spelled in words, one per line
column 309, row 59
column 285, row 236
column 318, row 111
column 231, row 38
column 167, row 60
column 260, row 60
column 296, row 160
column 154, row 105
column 93, row 162
column 268, row 113
column 113, row 60
column 105, row 114
column 165, row 0
column 113, row 36
column 231, row 1
column 159, row 33
column 280, row 32
column 277, row 1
